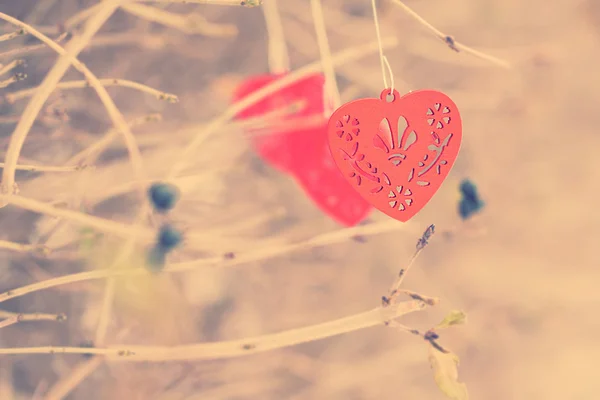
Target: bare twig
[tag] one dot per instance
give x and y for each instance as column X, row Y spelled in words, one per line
column 10, row 66
column 428, row 336
column 10, row 318
column 331, row 95
column 279, row 61
column 23, row 248
column 29, row 49
column 243, row 3
column 171, row 98
column 65, row 385
column 394, row 291
column 237, row 348
column 190, row 24
column 49, row 168
column 449, row 40
column 11, row 35
column 9, row 119
column 15, row 78
column 89, row 154
column 102, row 225
column 80, row 16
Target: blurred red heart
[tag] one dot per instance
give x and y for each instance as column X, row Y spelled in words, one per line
column 396, row 153
column 303, row 153
column 283, row 150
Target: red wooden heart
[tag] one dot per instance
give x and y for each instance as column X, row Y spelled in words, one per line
column 323, row 182
column 304, row 153
column 396, row 152
column 283, row 149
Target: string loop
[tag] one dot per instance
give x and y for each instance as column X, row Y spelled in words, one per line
column 382, row 58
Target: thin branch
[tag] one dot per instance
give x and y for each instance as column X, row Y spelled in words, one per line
column 10, row 66
column 50, row 29
column 190, row 24
column 15, row 78
column 8, row 322
column 103, row 225
column 279, row 60
column 107, row 302
column 171, row 98
column 68, row 57
column 11, row 35
column 80, row 16
column 89, row 154
column 332, row 92
column 29, row 49
column 10, row 318
column 49, row 168
column 64, row 386
column 428, row 336
column 23, row 248
column 449, row 40
column 280, row 127
column 269, row 119
column 421, row 244
column 9, row 119
column 228, row 260
column 272, row 117
column 243, row 3
column 237, row 348
column 33, row 316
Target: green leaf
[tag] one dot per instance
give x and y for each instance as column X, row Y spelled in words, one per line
column 88, row 239
column 445, row 373
column 455, row 317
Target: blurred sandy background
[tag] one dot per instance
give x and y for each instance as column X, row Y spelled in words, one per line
column 529, row 285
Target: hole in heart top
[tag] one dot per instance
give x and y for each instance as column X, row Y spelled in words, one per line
column 389, row 95
column 396, row 153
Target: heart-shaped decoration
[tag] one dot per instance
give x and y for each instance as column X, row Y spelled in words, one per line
column 303, row 152
column 283, row 149
column 396, row 150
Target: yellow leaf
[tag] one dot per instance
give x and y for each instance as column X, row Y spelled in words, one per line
column 456, row 317
column 445, row 373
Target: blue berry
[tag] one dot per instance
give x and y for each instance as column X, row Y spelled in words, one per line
column 163, row 196
column 168, row 238
column 470, row 203
column 468, row 189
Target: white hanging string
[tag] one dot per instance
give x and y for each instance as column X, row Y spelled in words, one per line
column 387, row 64
column 331, row 92
column 383, row 60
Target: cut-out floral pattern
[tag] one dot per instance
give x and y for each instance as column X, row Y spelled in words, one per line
column 384, row 140
column 347, row 128
column 400, row 198
column 438, row 117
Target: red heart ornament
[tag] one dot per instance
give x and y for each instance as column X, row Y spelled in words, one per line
column 283, row 149
column 304, row 153
column 396, row 153
column 323, row 182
